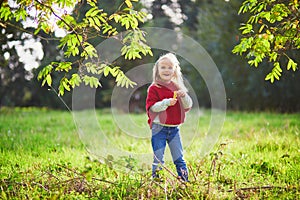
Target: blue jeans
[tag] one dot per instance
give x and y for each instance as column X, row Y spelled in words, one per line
column 160, row 136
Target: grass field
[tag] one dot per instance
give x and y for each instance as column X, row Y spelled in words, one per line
column 257, row 156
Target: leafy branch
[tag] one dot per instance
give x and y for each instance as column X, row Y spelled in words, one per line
column 75, row 43
column 272, row 30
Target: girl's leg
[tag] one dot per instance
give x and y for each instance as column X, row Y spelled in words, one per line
column 158, row 142
column 176, row 149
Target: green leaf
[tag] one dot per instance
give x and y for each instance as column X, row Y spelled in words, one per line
column 150, row 52
column 65, row 84
column 61, row 90
column 123, row 82
column 97, row 22
column 273, row 56
column 69, row 20
column 92, row 12
column 91, row 68
column 45, row 71
column 5, row 12
column 246, row 29
column 49, row 80
column 291, row 64
column 267, row 16
column 243, row 46
column 89, row 51
column 64, row 66
column 119, row 77
column 124, row 50
column 74, row 51
column 127, row 24
column 277, row 70
column 115, row 71
column 276, row 76
column 297, row 42
column 46, row 27
column 242, row 9
column 261, row 28
column 128, row 3
column 20, row 13
column 117, row 18
column 268, row 77
column 75, row 80
column 91, row 22
column 37, row 31
column 106, row 71
column 277, row 66
column 275, row 73
column 137, row 55
column 92, row 3
column 91, row 81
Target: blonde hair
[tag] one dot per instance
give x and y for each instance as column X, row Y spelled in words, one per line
column 177, row 79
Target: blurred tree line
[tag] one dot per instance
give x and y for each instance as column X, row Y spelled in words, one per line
column 212, row 23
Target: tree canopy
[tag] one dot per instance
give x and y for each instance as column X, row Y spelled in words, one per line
column 79, row 52
column 271, row 33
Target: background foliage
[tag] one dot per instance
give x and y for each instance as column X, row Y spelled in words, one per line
column 214, row 24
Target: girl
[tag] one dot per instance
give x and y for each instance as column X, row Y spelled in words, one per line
column 166, row 104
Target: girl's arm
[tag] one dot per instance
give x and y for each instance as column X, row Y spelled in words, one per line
column 186, row 101
column 162, row 105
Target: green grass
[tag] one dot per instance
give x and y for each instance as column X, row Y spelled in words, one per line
column 257, row 156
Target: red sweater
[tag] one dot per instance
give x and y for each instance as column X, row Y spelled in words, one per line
column 173, row 115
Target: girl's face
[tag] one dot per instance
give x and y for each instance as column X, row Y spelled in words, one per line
column 166, row 70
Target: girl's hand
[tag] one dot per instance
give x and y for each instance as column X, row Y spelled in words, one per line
column 172, row 101
column 181, row 93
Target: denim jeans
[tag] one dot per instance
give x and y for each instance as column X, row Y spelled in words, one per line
column 160, row 136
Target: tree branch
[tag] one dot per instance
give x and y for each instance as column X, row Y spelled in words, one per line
column 267, row 187
column 29, row 32
column 57, row 16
